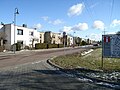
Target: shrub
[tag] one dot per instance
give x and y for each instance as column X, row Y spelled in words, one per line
column 53, row 45
column 1, row 48
column 18, row 46
column 60, row 45
column 27, row 47
column 40, row 46
column 46, row 46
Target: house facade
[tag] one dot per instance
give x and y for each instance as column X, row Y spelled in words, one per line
column 56, row 38
column 22, row 35
column 52, row 38
column 29, row 37
column 70, row 40
column 41, row 37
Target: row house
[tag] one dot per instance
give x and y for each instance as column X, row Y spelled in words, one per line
column 57, row 38
column 23, row 35
column 29, row 37
column 52, row 38
column 41, row 37
column 70, row 40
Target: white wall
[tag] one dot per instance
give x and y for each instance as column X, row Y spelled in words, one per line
column 26, row 37
column 9, row 30
column 1, row 27
column 71, row 40
column 42, row 37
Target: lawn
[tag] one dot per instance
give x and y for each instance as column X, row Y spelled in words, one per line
column 89, row 61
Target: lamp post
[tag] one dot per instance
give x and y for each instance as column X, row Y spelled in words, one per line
column 15, row 13
column 64, row 37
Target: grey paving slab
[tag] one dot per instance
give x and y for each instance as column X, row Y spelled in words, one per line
column 41, row 76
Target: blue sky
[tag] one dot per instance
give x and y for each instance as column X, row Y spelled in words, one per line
column 87, row 18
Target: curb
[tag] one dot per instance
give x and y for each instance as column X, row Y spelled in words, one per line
column 54, row 65
column 63, row 69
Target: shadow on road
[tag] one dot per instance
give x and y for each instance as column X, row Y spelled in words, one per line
column 44, row 80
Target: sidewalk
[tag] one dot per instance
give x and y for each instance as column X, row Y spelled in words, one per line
column 30, row 51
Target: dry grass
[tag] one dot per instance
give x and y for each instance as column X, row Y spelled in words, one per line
column 90, row 61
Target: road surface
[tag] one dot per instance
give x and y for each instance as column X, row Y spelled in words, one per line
column 28, row 70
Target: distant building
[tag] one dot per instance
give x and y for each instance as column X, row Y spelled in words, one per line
column 47, row 37
column 56, row 38
column 41, row 37
column 52, row 38
column 69, row 40
column 29, row 37
column 23, row 35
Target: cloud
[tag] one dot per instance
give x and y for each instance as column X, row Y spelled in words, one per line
column 80, row 26
column 38, row 26
column 76, row 10
column 98, row 25
column 77, row 27
column 115, row 22
column 56, row 22
column 45, row 18
column 96, row 37
column 111, row 33
column 67, row 29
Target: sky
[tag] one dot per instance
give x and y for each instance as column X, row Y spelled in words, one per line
column 82, row 18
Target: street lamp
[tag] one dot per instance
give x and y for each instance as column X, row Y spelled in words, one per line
column 15, row 13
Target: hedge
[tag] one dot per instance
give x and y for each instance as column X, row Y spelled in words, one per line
column 40, row 46
column 1, row 48
column 46, row 46
column 52, row 45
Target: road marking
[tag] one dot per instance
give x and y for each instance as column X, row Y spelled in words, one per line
column 35, row 62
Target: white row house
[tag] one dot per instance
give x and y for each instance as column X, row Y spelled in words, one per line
column 29, row 37
column 56, row 38
column 70, row 40
column 23, row 35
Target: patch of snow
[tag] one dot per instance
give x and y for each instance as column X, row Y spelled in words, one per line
column 107, row 84
column 85, row 80
column 38, row 62
column 87, row 52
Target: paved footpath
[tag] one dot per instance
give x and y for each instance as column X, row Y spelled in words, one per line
column 29, row 71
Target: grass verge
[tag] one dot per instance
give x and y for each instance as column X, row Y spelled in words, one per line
column 90, row 61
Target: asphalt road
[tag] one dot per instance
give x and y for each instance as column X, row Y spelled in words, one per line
column 28, row 70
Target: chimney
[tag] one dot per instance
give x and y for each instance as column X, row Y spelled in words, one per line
column 24, row 25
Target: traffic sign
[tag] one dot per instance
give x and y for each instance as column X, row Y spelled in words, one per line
column 111, row 45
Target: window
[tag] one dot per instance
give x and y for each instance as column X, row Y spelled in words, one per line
column 31, row 33
column 19, row 32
